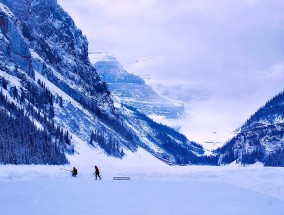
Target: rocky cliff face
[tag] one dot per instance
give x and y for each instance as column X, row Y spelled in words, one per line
column 60, row 46
column 13, row 44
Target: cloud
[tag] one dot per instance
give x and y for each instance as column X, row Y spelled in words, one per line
column 221, row 33
column 206, row 43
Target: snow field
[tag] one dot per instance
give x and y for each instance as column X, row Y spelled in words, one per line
column 85, row 196
column 151, row 190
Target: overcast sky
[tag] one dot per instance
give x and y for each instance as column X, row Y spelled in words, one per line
column 227, row 54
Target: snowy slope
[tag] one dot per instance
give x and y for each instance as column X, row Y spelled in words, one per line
column 260, row 139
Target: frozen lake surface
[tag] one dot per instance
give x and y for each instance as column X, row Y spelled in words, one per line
column 157, row 190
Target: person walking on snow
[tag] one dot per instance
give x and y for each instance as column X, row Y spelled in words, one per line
column 97, row 173
column 74, row 172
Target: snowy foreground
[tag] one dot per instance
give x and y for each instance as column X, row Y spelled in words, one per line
column 152, row 190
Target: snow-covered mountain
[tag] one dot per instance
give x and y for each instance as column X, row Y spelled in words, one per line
column 260, row 139
column 131, row 89
column 64, row 111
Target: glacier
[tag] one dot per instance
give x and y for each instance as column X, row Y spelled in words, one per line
column 131, row 89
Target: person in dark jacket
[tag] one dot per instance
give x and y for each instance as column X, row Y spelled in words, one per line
column 74, row 172
column 97, row 173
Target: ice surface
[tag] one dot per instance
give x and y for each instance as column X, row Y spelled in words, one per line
column 151, row 190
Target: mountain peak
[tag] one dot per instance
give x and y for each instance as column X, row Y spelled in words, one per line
column 96, row 56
